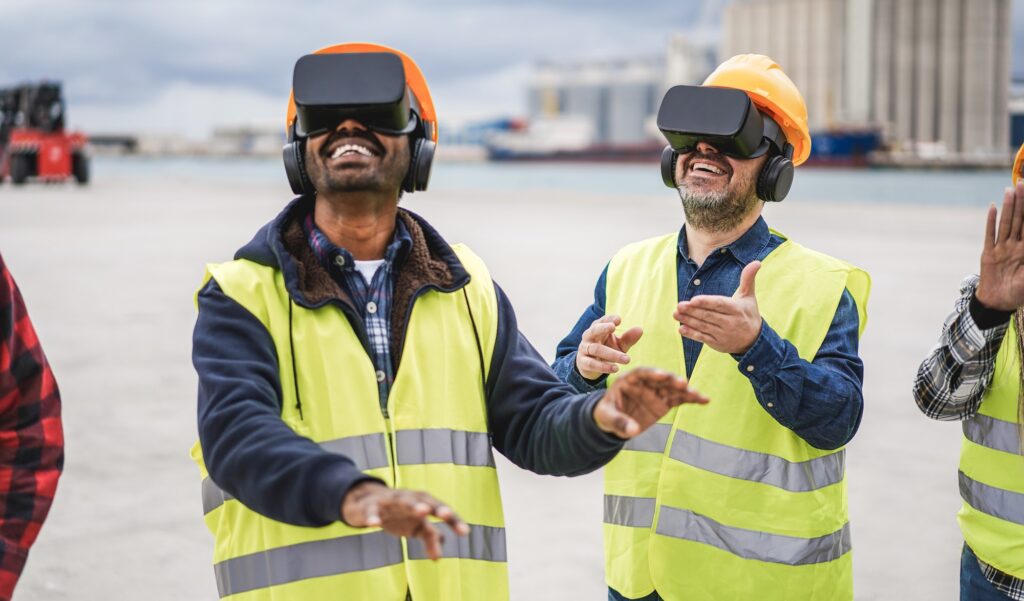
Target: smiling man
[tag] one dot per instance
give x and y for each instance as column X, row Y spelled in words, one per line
column 355, row 369
column 745, row 499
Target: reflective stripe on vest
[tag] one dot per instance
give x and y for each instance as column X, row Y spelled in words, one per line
column 634, row 512
column 758, row 467
column 1003, row 504
column 415, row 447
column 993, row 433
column 653, row 440
column 750, row 544
column 348, row 554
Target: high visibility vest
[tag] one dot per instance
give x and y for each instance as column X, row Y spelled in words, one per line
column 435, row 439
column 992, row 469
column 720, row 501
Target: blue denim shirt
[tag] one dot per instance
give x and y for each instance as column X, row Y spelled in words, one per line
column 821, row 400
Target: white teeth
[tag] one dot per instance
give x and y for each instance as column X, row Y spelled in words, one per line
column 708, row 167
column 350, row 148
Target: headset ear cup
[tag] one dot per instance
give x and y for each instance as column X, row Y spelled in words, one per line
column 668, row 166
column 775, row 180
column 294, row 155
column 421, row 159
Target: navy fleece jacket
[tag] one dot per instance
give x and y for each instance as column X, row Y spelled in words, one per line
column 536, row 421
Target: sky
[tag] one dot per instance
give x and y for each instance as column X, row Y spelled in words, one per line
column 185, row 66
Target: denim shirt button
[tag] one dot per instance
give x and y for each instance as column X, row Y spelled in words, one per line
column 750, row 368
column 696, row 282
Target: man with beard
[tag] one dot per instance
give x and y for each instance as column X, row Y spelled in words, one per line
column 355, row 369
column 747, row 499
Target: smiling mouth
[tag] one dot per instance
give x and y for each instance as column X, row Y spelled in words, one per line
column 344, row 150
column 701, row 166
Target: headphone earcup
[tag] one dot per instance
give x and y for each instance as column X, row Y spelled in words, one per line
column 421, row 160
column 294, row 155
column 668, row 166
column 775, row 180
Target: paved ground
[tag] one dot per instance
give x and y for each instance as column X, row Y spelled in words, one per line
column 108, row 274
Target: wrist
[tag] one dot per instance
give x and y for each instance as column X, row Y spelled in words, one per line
column 351, row 512
column 986, row 316
column 986, row 301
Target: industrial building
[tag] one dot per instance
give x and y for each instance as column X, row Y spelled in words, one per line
column 933, row 75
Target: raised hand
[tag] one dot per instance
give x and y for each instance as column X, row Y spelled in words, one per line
column 400, row 512
column 1002, row 258
column 726, row 324
column 639, row 399
column 601, row 351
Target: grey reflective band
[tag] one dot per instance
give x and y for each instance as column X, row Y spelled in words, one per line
column 752, row 544
column 485, row 543
column 1003, row 504
column 634, row 512
column 653, row 440
column 213, row 496
column 368, row 452
column 993, row 433
column 307, row 560
column 419, row 447
column 758, row 467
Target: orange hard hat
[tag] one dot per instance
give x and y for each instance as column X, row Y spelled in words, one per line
column 414, row 79
column 1018, row 165
column 773, row 92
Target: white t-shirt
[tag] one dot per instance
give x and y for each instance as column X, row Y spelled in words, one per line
column 368, row 268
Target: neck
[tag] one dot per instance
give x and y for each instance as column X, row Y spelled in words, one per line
column 700, row 243
column 363, row 223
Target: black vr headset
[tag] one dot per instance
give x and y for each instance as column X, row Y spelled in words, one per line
column 727, row 119
column 369, row 87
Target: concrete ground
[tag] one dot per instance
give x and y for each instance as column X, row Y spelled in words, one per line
column 108, row 272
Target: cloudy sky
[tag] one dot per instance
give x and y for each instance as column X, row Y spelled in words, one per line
column 183, row 66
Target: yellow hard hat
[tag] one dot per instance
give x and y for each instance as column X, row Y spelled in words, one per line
column 773, row 92
column 1018, row 165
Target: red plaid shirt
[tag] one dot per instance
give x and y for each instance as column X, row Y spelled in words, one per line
column 31, row 435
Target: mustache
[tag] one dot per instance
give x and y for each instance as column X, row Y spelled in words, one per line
column 715, row 158
column 349, row 136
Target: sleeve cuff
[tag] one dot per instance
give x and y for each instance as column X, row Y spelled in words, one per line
column 763, row 357
column 985, row 317
column 580, row 383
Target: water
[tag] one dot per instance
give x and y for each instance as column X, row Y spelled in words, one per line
column 965, row 188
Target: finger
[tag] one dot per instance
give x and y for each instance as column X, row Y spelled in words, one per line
column 692, row 334
column 1018, row 214
column 712, row 329
column 431, row 538
column 1006, row 217
column 606, row 353
column 705, row 315
column 448, row 515
column 598, row 332
column 719, row 304
column 590, row 364
column 746, row 287
column 990, row 227
column 629, row 338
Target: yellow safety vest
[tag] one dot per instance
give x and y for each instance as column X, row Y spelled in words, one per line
column 992, row 470
column 721, row 501
column 436, row 440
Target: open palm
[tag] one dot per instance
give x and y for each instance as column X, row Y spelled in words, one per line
column 1002, row 260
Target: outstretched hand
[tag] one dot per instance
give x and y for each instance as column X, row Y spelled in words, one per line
column 1001, row 285
column 728, row 324
column 400, row 512
column 639, row 399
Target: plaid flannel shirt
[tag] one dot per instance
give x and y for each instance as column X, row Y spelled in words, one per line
column 372, row 300
column 31, row 435
column 952, row 380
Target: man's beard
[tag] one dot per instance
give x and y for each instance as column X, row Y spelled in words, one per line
column 386, row 175
column 717, row 210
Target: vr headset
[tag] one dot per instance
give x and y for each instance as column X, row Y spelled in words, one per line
column 369, row 87
column 729, row 121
